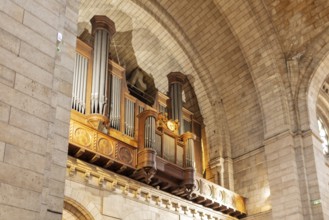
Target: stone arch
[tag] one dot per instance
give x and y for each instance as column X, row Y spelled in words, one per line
column 82, row 203
column 204, row 87
column 205, row 90
column 74, row 210
column 314, row 70
column 316, row 81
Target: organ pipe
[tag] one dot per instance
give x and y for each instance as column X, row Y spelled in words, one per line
column 190, row 153
column 176, row 81
column 79, row 83
column 115, row 103
column 103, row 29
column 149, row 135
column 129, row 118
column 189, row 138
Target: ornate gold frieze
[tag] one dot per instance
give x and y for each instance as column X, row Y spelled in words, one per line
column 90, row 139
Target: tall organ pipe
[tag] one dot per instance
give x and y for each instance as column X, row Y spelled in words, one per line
column 84, row 86
column 129, row 117
column 116, row 102
column 176, row 81
column 103, row 29
column 79, row 83
column 190, row 153
column 149, row 133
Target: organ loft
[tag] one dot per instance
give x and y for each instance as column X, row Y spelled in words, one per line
column 121, row 123
column 164, row 110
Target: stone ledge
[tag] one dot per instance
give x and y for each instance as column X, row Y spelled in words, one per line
column 96, row 177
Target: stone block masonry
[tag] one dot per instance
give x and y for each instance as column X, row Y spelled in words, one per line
column 33, row 106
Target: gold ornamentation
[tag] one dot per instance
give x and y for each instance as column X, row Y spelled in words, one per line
column 105, row 147
column 82, row 137
column 162, row 120
column 125, row 155
column 171, row 125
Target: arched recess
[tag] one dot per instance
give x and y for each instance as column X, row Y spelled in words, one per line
column 316, row 82
column 264, row 59
column 314, row 70
column 207, row 92
column 81, row 201
column 159, row 23
column 75, row 211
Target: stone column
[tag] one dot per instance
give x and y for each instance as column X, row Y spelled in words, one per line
column 176, row 81
column 103, row 29
column 283, row 177
column 315, row 164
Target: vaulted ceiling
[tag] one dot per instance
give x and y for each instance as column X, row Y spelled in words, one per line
column 233, row 52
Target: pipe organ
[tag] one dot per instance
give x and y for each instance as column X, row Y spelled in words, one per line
column 103, row 29
column 113, row 129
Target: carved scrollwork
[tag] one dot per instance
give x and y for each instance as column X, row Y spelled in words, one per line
column 148, row 174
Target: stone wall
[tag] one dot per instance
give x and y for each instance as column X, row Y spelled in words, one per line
column 251, row 181
column 35, row 85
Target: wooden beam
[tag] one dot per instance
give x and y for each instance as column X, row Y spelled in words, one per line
column 208, row 203
column 228, row 211
column 165, row 186
column 80, row 152
column 94, row 159
column 122, row 169
column 221, row 208
column 155, row 182
column 178, row 191
column 200, row 199
column 108, row 164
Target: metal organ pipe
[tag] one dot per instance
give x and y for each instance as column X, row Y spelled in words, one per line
column 74, row 82
column 149, row 133
column 176, row 81
column 100, row 71
column 84, row 87
column 190, row 153
column 103, row 29
column 129, row 117
column 79, row 83
column 116, row 103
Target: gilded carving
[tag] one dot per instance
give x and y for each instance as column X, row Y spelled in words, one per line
column 82, row 137
column 105, row 147
column 125, row 155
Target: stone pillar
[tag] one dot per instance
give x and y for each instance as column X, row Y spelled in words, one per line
column 103, row 29
column 316, row 172
column 283, row 177
column 222, row 170
column 176, row 81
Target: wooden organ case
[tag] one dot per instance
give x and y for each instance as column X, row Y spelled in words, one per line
column 113, row 129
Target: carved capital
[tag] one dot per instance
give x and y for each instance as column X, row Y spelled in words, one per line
column 176, row 77
column 102, row 22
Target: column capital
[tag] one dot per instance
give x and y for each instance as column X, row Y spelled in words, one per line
column 176, row 77
column 102, row 22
